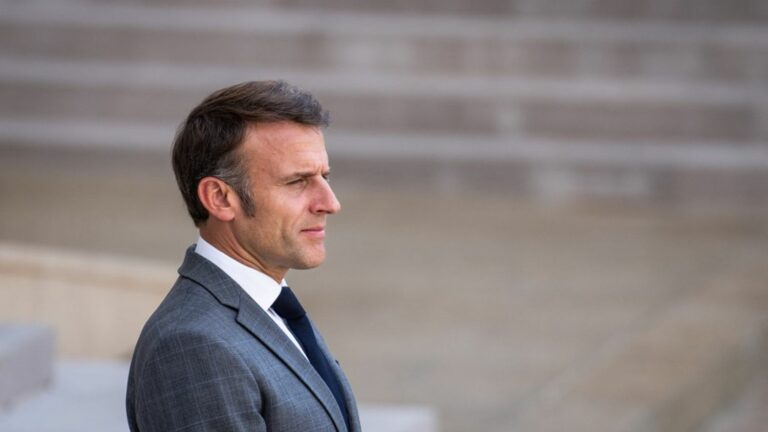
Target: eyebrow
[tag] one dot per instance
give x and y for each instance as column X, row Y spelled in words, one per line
column 304, row 174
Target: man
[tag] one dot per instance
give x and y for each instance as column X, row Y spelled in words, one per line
column 230, row 348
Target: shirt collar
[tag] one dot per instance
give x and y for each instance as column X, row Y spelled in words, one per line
column 260, row 287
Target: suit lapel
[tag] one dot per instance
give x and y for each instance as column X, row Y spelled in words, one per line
column 253, row 318
column 260, row 325
column 346, row 388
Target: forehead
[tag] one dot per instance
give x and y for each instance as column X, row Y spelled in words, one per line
column 285, row 146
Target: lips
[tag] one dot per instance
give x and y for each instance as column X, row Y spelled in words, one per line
column 314, row 232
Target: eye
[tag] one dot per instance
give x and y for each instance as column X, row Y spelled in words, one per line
column 298, row 181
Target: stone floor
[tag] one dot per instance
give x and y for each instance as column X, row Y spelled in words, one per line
column 501, row 314
column 84, row 397
column 748, row 411
column 89, row 396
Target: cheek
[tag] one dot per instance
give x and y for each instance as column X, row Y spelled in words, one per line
column 279, row 225
column 291, row 214
column 282, row 214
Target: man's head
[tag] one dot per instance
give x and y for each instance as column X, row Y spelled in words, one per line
column 207, row 141
column 251, row 164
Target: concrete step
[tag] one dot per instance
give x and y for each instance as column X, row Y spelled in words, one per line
column 26, row 361
column 716, row 174
column 156, row 137
column 526, row 108
column 71, row 282
column 675, row 10
column 89, row 396
column 83, row 396
column 245, row 35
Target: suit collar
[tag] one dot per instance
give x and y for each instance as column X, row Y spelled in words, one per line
column 210, row 277
column 253, row 318
column 260, row 287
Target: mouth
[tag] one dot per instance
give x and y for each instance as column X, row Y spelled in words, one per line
column 317, row 232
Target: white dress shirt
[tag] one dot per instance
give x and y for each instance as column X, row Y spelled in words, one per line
column 260, row 287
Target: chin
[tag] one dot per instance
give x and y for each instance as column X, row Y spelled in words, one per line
column 309, row 262
column 307, row 265
column 307, row 257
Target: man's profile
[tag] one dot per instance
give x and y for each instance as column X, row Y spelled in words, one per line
column 230, row 348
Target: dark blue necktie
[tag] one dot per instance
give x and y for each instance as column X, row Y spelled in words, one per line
column 288, row 307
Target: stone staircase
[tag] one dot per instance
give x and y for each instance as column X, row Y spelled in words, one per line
column 652, row 101
column 650, row 323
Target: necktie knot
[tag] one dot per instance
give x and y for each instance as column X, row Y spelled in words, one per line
column 287, row 305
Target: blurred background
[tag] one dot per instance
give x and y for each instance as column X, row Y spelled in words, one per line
column 554, row 218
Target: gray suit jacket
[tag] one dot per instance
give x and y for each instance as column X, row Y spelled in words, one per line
column 210, row 359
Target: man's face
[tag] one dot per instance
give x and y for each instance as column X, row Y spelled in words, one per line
column 288, row 171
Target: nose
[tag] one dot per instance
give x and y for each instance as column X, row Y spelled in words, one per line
column 326, row 201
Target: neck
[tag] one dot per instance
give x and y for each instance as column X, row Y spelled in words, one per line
column 231, row 248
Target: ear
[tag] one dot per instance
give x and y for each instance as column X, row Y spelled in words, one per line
column 218, row 198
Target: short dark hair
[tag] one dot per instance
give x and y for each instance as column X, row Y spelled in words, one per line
column 207, row 140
